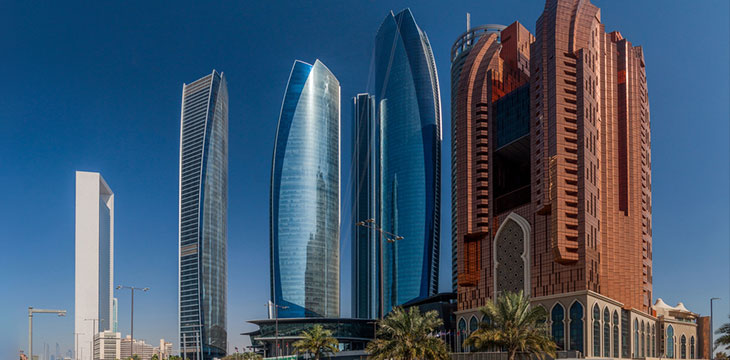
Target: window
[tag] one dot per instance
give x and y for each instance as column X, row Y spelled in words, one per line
column 596, row 330
column 557, row 316
column 692, row 347
column 643, row 343
column 683, row 347
column 636, row 338
column 576, row 327
column 473, row 324
column 670, row 342
column 653, row 340
column 606, row 333
column 616, row 339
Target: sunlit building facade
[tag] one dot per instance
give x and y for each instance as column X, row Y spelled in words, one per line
column 552, row 185
column 408, row 118
column 305, row 196
column 94, row 259
column 203, row 209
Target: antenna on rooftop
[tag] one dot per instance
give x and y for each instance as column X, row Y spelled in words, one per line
column 468, row 21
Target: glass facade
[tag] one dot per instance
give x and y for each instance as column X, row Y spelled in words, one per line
column 203, row 217
column 305, row 196
column 365, row 261
column 409, row 116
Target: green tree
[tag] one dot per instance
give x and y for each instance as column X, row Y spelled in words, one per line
column 155, row 357
column 175, row 357
column 316, row 342
column 721, row 356
column 515, row 326
column 408, row 335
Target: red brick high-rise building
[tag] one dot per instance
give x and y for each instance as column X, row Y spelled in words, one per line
column 551, row 183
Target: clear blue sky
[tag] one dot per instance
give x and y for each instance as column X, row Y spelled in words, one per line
column 97, row 87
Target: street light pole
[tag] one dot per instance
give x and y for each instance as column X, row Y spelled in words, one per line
column 132, row 288
column 392, row 238
column 276, row 325
column 712, row 345
column 32, row 311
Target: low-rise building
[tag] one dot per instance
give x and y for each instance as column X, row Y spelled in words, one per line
column 107, row 345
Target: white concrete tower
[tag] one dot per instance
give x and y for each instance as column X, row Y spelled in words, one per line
column 94, row 260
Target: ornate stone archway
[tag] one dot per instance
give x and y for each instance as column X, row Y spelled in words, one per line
column 511, row 251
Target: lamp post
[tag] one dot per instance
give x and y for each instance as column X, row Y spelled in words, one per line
column 132, row 288
column 391, row 238
column 276, row 325
column 712, row 344
column 32, row 311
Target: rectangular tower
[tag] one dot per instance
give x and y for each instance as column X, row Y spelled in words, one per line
column 94, row 258
column 203, row 206
column 365, row 205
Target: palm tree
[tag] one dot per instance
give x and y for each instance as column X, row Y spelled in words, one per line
column 515, row 326
column 724, row 332
column 408, row 335
column 317, row 342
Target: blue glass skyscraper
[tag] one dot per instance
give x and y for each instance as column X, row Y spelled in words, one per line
column 409, row 115
column 203, row 208
column 305, row 196
column 365, row 205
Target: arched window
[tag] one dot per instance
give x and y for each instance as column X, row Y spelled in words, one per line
column 692, row 347
column 636, row 338
column 670, row 342
column 653, row 340
column 648, row 340
column 615, row 335
column 486, row 320
column 683, row 347
column 543, row 321
column 473, row 324
column 557, row 316
column 596, row 330
column 576, row 327
column 606, row 333
column 461, row 334
column 643, row 343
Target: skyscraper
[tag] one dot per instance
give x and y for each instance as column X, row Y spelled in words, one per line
column 94, row 258
column 552, row 181
column 115, row 312
column 409, row 122
column 305, row 196
column 203, row 207
column 365, row 205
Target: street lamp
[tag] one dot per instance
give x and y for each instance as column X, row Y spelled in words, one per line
column 32, row 311
column 131, row 343
column 276, row 325
column 712, row 345
column 390, row 238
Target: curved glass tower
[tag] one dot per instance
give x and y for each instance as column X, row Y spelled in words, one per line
column 305, row 196
column 203, row 217
column 409, row 112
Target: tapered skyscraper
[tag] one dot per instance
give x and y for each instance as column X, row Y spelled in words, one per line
column 305, row 196
column 94, row 258
column 203, row 217
column 408, row 118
